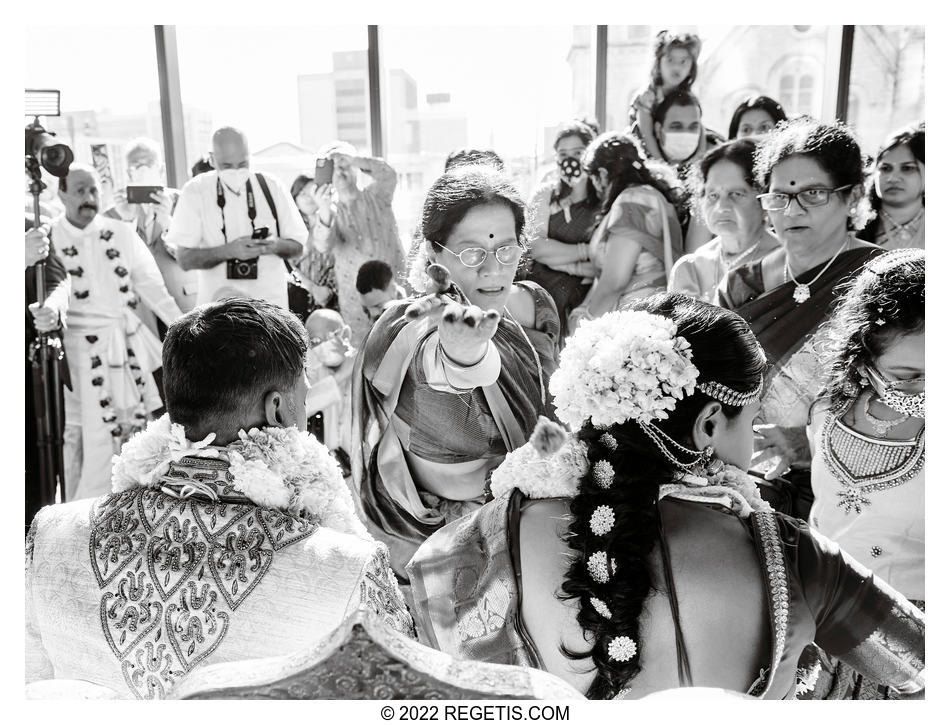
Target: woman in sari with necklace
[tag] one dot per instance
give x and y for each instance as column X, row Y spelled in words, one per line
column 447, row 384
column 897, row 191
column 813, row 176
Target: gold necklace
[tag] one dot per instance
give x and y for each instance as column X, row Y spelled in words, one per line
column 881, row 426
column 906, row 231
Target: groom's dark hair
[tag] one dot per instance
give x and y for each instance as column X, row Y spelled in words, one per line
column 220, row 359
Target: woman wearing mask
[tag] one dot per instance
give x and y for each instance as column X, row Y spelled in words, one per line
column 723, row 193
column 897, row 191
column 563, row 214
column 867, row 441
column 638, row 236
column 814, row 176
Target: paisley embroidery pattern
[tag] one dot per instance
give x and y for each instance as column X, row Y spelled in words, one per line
column 377, row 591
column 172, row 572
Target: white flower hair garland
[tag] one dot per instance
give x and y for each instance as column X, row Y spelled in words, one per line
column 622, row 366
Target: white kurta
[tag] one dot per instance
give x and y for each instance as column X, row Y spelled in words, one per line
column 101, row 327
column 196, row 223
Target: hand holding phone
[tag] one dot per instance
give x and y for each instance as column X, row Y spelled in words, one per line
column 141, row 194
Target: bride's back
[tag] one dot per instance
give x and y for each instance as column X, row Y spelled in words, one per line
column 719, row 588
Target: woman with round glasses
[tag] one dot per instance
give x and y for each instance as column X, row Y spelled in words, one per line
column 813, row 176
column 867, row 434
column 638, row 237
column 453, row 381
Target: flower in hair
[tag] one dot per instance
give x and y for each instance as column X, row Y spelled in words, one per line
column 603, row 474
column 602, row 609
column 602, row 520
column 597, row 566
column 608, row 442
column 624, row 365
column 621, row 649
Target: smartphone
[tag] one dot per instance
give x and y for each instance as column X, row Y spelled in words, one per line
column 323, row 172
column 141, row 194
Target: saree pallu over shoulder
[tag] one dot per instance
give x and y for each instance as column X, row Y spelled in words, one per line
column 383, row 481
column 466, row 587
column 779, row 322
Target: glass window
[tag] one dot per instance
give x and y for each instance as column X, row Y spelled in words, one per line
column 103, row 106
column 785, row 62
column 887, row 80
column 304, row 87
column 511, row 102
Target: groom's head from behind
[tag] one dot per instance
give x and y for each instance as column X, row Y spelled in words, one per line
column 232, row 365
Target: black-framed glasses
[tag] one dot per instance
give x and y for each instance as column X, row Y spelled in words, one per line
column 806, row 199
column 474, row 257
column 913, row 386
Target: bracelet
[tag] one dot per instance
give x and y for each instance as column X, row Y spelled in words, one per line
column 455, row 363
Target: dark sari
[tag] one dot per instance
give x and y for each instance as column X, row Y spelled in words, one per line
column 392, row 420
column 787, row 332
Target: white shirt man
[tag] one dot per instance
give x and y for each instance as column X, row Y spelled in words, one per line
column 209, row 237
column 111, row 353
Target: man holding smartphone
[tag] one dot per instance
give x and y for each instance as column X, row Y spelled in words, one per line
column 148, row 204
column 236, row 228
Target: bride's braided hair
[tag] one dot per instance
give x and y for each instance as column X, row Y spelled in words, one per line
column 725, row 351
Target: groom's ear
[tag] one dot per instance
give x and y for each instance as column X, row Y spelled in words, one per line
column 277, row 411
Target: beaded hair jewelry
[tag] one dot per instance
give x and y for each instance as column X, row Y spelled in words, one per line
column 727, row 395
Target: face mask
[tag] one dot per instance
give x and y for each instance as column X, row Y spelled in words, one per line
column 912, row 405
column 570, row 169
column 234, row 178
column 680, row 145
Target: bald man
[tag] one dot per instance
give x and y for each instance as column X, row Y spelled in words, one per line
column 111, row 353
column 225, row 226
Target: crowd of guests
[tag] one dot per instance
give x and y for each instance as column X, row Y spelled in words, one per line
column 549, row 436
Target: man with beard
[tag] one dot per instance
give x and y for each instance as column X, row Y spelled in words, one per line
column 111, row 353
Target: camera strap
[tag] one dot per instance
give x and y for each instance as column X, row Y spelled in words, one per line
column 251, row 207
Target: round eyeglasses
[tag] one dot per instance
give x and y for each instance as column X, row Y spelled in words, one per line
column 807, row 198
column 474, row 257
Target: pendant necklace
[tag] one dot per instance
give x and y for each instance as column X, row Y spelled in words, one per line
column 881, row 426
column 802, row 289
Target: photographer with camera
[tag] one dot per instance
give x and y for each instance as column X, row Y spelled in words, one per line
column 236, row 228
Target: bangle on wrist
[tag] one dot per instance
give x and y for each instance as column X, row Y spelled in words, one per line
column 455, row 363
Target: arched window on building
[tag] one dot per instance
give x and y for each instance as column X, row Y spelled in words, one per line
column 797, row 93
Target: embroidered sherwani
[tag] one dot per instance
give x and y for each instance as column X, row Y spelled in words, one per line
column 136, row 589
column 112, row 272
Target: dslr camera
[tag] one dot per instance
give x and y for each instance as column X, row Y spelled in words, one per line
column 246, row 268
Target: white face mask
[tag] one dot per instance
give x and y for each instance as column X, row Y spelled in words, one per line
column 903, row 403
column 234, row 178
column 680, row 145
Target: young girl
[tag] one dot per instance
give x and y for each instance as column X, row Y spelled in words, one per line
column 867, row 432
column 674, row 68
column 897, row 191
